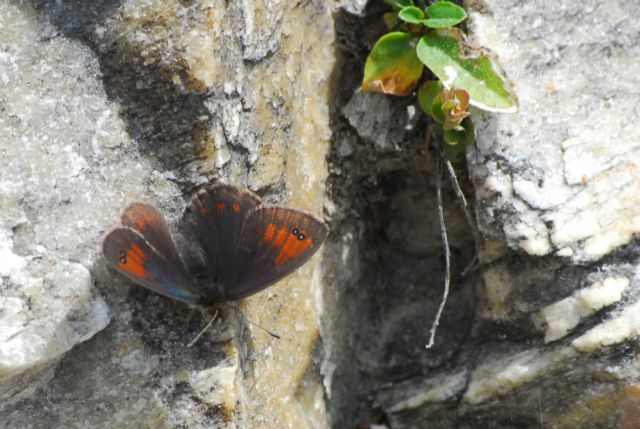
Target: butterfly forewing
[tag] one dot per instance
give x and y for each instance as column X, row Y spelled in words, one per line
column 129, row 252
column 214, row 218
column 275, row 241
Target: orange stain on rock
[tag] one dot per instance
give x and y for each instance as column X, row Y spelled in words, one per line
column 135, row 259
column 269, row 233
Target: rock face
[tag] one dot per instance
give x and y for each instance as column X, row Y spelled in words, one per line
column 54, row 118
column 572, row 190
column 552, row 343
column 108, row 103
column 115, row 102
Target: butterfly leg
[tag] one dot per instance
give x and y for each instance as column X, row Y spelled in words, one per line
column 213, row 318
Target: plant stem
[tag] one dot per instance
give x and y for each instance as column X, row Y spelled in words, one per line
column 447, row 254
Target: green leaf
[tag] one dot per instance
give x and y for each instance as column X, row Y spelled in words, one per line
column 427, row 93
column 411, row 14
column 391, row 19
column 399, row 4
column 455, row 142
column 442, row 51
column 393, row 66
column 444, row 14
column 436, row 111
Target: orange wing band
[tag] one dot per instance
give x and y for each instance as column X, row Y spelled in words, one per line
column 133, row 264
column 269, row 233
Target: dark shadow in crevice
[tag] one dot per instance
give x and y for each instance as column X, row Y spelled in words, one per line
column 387, row 296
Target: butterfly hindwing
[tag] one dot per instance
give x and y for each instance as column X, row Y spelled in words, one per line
column 150, row 223
column 214, row 218
column 275, row 241
column 131, row 254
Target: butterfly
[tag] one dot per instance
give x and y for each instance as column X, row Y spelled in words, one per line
column 243, row 244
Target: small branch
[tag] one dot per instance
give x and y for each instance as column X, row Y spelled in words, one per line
column 471, row 266
column 540, row 409
column 447, row 255
column 461, row 198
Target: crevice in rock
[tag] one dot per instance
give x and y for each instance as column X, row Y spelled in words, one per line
column 385, row 248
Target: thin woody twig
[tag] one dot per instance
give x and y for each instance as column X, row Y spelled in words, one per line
column 461, row 198
column 447, row 255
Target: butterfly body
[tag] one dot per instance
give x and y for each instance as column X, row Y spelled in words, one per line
column 240, row 244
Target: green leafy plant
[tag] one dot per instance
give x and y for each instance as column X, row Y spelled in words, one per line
column 425, row 36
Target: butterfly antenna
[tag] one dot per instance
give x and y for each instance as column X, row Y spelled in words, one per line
column 192, row 342
column 273, row 334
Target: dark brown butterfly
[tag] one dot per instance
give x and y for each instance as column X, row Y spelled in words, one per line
column 245, row 245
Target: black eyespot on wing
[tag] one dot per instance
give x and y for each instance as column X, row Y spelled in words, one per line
column 269, row 250
column 128, row 251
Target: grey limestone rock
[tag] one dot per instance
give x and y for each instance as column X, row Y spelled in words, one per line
column 556, row 188
column 107, row 103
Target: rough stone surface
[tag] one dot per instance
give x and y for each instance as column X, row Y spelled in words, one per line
column 118, row 101
column 115, row 102
column 379, row 119
column 49, row 218
column 563, row 177
column 552, row 343
column 48, row 307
